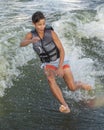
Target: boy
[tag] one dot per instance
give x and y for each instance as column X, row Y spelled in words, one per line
column 50, row 50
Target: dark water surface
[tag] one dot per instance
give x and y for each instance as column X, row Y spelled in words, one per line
column 29, row 105
column 26, row 102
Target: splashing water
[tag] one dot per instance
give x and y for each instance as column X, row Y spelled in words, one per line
column 71, row 26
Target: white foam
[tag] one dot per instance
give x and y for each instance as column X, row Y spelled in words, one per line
column 13, row 30
column 82, row 68
column 72, row 0
column 11, row 33
column 94, row 28
column 12, row 56
column 8, row 68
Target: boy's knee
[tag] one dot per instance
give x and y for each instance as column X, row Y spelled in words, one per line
column 50, row 80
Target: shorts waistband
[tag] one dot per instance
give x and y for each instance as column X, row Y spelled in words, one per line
column 48, row 66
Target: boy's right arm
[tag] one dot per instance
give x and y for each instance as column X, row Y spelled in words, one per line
column 28, row 39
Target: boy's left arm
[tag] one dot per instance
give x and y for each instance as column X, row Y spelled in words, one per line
column 61, row 51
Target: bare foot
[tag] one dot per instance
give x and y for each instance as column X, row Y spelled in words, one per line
column 86, row 86
column 64, row 109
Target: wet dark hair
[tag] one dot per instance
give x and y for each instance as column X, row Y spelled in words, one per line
column 37, row 16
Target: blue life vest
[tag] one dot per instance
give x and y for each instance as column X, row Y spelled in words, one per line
column 46, row 48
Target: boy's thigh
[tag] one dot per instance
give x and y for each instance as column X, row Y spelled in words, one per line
column 50, row 73
column 68, row 76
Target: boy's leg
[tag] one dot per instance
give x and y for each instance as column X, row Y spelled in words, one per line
column 68, row 77
column 56, row 90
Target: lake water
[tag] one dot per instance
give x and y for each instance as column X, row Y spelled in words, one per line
column 26, row 102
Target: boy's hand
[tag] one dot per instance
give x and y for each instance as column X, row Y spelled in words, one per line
column 59, row 72
column 35, row 39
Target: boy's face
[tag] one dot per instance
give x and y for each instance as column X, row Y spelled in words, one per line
column 40, row 26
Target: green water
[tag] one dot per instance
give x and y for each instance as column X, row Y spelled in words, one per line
column 26, row 102
column 29, row 105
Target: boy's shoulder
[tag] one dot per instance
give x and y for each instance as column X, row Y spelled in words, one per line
column 49, row 27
